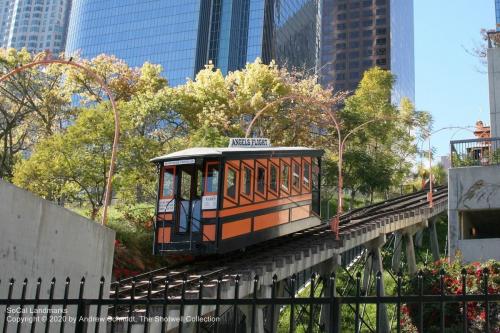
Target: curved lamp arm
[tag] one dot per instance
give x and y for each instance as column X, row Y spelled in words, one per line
column 116, row 138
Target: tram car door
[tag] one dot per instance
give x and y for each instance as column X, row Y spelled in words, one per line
column 180, row 205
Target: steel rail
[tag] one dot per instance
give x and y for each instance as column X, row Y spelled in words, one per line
column 230, row 264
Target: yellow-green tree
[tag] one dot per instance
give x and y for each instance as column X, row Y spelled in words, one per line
column 380, row 153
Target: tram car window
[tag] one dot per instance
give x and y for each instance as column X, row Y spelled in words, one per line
column 216, row 200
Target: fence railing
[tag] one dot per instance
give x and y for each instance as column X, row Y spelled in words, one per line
column 322, row 309
column 475, row 152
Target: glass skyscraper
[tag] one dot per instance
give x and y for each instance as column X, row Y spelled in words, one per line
column 185, row 35
column 360, row 34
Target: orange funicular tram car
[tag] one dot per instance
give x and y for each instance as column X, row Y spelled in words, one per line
column 216, row 200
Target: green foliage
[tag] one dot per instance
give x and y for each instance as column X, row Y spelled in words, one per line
column 62, row 152
column 381, row 137
column 77, row 160
column 452, row 281
column 32, row 107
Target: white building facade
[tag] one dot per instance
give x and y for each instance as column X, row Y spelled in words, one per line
column 36, row 25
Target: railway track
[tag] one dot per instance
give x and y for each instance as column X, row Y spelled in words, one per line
column 175, row 280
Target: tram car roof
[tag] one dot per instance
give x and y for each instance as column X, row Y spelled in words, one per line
column 238, row 152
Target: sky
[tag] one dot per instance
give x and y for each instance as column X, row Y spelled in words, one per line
column 449, row 82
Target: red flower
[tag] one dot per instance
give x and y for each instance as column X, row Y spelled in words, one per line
column 482, row 315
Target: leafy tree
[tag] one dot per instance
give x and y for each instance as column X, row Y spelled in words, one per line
column 77, row 159
column 32, row 107
column 379, row 153
column 215, row 107
column 124, row 82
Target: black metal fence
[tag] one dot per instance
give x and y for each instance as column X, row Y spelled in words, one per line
column 475, row 152
column 322, row 306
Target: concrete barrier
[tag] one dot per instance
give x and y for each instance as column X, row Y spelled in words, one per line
column 41, row 239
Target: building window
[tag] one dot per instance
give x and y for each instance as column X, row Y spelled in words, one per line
column 381, row 41
column 367, row 23
column 367, row 63
column 212, row 178
column 285, row 177
column 340, row 66
column 296, row 176
column 168, row 182
column 231, row 183
column 354, row 5
column 381, row 62
column 307, row 174
column 247, row 181
column 479, row 224
column 367, row 13
column 273, row 184
column 354, row 64
column 261, row 180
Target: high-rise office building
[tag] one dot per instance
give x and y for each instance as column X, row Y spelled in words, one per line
column 185, row 35
column 360, row 34
column 37, row 25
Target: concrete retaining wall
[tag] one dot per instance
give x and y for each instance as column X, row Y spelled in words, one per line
column 494, row 87
column 41, row 239
column 473, row 189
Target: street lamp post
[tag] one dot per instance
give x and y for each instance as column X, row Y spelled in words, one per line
column 429, row 134
column 116, row 137
column 342, row 140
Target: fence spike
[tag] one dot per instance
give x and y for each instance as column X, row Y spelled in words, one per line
column 66, row 294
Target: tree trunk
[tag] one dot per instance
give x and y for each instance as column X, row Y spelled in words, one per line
column 93, row 213
column 371, row 197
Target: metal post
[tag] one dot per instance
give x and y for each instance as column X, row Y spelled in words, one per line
column 430, row 175
column 378, row 266
column 80, row 312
